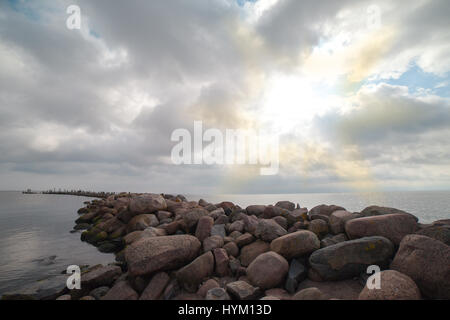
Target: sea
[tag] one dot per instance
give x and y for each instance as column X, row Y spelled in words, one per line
column 35, row 238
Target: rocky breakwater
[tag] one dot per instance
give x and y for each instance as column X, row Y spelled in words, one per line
column 169, row 248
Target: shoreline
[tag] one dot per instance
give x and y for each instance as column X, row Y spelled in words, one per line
column 221, row 251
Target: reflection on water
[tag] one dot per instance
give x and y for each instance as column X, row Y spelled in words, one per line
column 35, row 241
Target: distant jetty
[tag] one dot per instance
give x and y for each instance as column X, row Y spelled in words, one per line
column 80, row 193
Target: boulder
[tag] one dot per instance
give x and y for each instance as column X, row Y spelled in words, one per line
column 192, row 217
column 99, row 292
column 324, row 210
column 348, row 259
column 319, row 227
column 268, row 270
column 141, row 222
column 272, row 212
column 438, row 231
column 256, row 210
column 121, row 291
column 380, row 211
column 251, row 223
column 242, row 290
column 237, row 226
column 269, row 230
column 282, row 221
column 99, row 276
column 212, row 243
column 329, row 241
column 218, row 230
column 150, row 255
column 427, row 262
column 286, row 205
column 309, row 294
column 232, row 249
column 298, row 215
column 221, row 261
column 206, row 286
column 338, row 219
column 192, row 275
column 148, row 203
column 295, row 244
column 156, row 286
column 391, row 226
column 296, row 274
column 342, row 290
column 217, row 294
column 394, row 286
column 244, row 239
column 253, row 250
column 204, row 227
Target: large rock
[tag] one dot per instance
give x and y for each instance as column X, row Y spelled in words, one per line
column 381, row 211
column 297, row 273
column 212, row 243
column 309, row 294
column 343, row 290
column 438, row 232
column 141, row 222
column 394, row 286
column 427, row 262
column 222, row 260
column 155, row 287
column 242, row 290
column 272, row 212
column 286, row 205
column 148, row 203
column 121, row 291
column 297, row 215
column 268, row 270
column 99, row 276
column 256, row 210
column 269, row 230
column 338, row 219
column 319, row 227
column 193, row 274
column 324, row 210
column 295, row 244
column 204, row 227
column 348, row 259
column 150, row 255
column 391, row 226
column 253, row 250
column 192, row 217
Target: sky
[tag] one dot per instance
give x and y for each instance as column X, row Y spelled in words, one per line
column 356, row 91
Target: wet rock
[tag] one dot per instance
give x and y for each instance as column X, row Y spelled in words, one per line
column 348, row 259
column 295, row 244
column 394, row 286
column 46, row 289
column 427, row 262
column 150, row 255
column 268, row 270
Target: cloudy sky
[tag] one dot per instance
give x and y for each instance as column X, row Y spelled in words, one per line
column 357, row 91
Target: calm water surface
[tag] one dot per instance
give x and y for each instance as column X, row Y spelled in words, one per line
column 34, row 229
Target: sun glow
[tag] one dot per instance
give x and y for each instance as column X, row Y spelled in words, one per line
column 291, row 102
